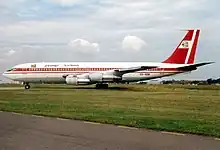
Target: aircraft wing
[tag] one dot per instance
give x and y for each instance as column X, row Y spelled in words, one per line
column 133, row 69
column 193, row 66
column 117, row 73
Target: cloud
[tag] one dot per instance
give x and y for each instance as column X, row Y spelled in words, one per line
column 31, row 46
column 50, row 24
column 133, row 43
column 84, row 46
column 66, row 2
column 10, row 53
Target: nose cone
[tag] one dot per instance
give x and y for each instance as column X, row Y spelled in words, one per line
column 5, row 75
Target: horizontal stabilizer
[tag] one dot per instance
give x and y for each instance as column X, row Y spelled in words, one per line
column 193, row 66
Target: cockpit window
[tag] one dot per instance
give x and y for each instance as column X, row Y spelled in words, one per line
column 10, row 69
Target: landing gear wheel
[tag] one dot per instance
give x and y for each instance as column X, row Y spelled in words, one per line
column 27, row 86
column 101, row 86
column 97, row 86
column 105, row 86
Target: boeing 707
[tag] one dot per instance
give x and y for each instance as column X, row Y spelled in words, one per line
column 102, row 73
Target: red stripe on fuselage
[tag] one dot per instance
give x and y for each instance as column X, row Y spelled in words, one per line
column 84, row 70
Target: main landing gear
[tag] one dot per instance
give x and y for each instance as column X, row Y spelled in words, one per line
column 27, row 86
column 101, row 86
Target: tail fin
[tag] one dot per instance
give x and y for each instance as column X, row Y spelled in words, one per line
column 186, row 50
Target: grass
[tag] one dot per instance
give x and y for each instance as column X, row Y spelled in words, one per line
column 9, row 85
column 187, row 109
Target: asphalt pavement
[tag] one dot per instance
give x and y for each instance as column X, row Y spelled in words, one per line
column 29, row 132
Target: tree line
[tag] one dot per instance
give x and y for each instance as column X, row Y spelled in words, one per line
column 198, row 82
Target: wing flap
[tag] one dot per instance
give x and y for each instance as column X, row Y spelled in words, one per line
column 193, row 66
column 134, row 69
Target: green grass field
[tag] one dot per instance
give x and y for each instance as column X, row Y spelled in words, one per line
column 188, row 109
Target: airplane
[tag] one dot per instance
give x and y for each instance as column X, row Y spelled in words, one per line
column 103, row 73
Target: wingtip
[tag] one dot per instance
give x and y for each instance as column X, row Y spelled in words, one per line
column 208, row 63
column 211, row 62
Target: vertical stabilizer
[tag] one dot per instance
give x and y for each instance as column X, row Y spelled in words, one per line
column 186, row 50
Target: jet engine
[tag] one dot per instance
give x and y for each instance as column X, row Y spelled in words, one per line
column 96, row 77
column 100, row 77
column 90, row 79
column 74, row 80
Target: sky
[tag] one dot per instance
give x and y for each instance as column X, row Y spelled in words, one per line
column 107, row 30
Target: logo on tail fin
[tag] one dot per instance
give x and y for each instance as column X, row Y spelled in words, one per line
column 185, row 44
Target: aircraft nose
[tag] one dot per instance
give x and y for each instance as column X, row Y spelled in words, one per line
column 5, row 74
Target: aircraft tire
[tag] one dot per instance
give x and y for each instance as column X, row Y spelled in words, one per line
column 27, row 86
column 101, row 86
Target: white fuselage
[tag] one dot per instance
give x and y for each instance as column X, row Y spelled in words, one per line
column 54, row 72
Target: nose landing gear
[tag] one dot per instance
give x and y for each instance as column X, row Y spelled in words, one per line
column 27, row 86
